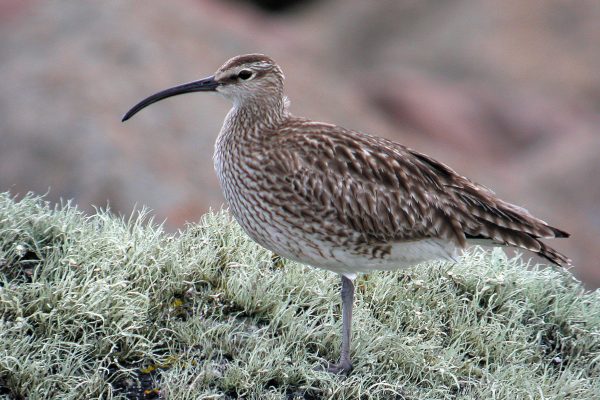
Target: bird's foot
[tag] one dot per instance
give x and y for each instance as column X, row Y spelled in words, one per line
column 343, row 367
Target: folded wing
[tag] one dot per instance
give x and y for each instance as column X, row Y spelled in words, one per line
column 386, row 192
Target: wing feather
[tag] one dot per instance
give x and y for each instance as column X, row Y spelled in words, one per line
column 387, row 192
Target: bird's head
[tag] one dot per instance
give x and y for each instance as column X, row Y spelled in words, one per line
column 242, row 79
column 249, row 78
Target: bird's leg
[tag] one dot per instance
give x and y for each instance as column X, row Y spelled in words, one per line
column 344, row 365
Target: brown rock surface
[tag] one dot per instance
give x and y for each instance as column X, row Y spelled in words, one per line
column 507, row 93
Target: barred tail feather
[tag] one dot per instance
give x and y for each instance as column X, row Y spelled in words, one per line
column 553, row 256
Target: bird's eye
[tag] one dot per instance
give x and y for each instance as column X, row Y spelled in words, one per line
column 245, row 74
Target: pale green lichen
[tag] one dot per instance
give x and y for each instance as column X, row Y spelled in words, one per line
column 95, row 306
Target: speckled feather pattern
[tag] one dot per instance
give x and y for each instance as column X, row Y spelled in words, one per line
column 343, row 200
column 350, row 202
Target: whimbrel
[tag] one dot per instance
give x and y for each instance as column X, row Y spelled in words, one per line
column 343, row 200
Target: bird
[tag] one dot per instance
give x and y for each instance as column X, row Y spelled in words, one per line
column 342, row 200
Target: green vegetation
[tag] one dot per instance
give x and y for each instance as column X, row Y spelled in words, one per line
column 106, row 307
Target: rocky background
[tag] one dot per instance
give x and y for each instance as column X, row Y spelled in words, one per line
column 505, row 92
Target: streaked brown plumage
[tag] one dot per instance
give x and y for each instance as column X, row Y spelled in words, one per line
column 340, row 199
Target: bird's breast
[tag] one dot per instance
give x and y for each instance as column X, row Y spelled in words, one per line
column 241, row 182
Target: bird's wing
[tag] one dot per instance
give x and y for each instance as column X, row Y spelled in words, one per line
column 388, row 192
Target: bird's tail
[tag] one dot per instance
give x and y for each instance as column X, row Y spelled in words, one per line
column 552, row 255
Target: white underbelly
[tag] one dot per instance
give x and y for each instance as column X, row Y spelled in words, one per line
column 350, row 263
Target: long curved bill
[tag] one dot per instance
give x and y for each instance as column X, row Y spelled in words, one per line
column 203, row 85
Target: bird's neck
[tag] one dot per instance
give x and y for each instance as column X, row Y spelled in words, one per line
column 248, row 126
column 253, row 117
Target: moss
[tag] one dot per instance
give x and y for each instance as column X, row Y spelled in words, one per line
column 106, row 307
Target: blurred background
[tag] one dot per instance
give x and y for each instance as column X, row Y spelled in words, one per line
column 505, row 92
